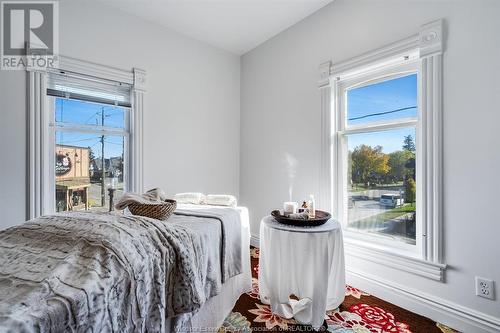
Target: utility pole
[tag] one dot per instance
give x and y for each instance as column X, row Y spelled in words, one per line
column 103, row 168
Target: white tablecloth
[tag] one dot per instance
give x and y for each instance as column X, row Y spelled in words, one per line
column 307, row 262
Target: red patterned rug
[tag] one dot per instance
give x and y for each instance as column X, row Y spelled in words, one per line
column 360, row 313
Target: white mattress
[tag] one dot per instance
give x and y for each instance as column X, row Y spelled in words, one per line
column 212, row 314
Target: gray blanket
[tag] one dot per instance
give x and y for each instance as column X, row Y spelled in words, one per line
column 89, row 272
column 231, row 236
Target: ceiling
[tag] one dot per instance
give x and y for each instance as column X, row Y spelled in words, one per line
column 233, row 25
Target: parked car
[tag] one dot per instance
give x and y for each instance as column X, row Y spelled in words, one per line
column 391, row 200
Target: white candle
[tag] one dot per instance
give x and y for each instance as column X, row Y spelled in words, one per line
column 290, row 207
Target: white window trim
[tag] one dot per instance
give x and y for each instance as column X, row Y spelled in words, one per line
column 41, row 176
column 427, row 46
column 340, row 85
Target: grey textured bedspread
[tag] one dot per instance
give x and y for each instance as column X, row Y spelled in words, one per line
column 89, row 272
column 230, row 249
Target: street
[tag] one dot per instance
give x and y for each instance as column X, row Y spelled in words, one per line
column 95, row 196
column 364, row 208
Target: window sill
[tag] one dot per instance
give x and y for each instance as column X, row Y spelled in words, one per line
column 406, row 263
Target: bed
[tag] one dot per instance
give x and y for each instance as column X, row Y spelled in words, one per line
column 103, row 272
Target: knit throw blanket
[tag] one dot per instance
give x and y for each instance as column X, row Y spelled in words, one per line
column 155, row 196
column 95, row 272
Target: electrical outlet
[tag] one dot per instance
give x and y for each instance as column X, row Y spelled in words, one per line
column 485, row 288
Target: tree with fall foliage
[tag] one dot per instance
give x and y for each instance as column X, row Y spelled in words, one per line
column 368, row 162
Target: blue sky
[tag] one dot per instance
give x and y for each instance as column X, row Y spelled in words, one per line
column 86, row 113
column 364, row 103
column 382, row 97
column 391, row 140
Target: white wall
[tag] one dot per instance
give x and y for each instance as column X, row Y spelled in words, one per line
column 191, row 121
column 280, row 113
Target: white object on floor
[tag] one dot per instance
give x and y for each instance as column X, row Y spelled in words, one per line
column 221, row 200
column 307, row 262
column 190, row 198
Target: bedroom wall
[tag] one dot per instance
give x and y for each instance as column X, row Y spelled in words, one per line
column 191, row 122
column 280, row 129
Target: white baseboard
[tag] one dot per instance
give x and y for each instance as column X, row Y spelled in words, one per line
column 448, row 313
column 451, row 314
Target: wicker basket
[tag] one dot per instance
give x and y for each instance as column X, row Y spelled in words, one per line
column 155, row 211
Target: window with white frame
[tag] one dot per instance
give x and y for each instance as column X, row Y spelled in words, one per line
column 85, row 136
column 378, row 154
column 90, row 127
column 381, row 159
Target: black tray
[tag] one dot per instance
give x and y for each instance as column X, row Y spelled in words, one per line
column 321, row 218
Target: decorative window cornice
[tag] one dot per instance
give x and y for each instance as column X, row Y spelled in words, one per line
column 41, row 170
column 139, row 79
column 426, row 47
column 431, row 39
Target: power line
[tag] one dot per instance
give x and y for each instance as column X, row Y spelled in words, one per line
column 382, row 113
column 113, row 143
column 93, row 116
column 94, row 145
column 90, row 118
column 73, row 141
column 114, row 114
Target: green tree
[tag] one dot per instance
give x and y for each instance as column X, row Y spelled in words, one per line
column 408, row 143
column 92, row 164
column 91, row 156
column 410, row 190
column 368, row 161
column 397, row 162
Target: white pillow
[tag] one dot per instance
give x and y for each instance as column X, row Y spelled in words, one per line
column 190, row 198
column 221, row 200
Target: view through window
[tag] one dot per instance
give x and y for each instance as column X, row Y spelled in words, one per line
column 90, row 154
column 381, row 160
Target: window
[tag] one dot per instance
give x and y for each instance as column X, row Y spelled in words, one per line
column 85, row 136
column 379, row 136
column 381, row 156
column 90, row 154
column 90, row 122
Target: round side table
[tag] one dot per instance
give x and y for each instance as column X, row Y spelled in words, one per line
column 301, row 269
